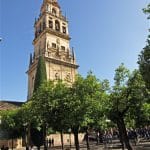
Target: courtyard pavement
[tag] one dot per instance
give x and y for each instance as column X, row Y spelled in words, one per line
column 142, row 145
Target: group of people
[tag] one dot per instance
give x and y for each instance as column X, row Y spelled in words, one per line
column 50, row 142
column 144, row 132
column 133, row 134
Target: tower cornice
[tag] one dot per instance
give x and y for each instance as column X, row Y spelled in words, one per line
column 60, row 62
column 55, row 61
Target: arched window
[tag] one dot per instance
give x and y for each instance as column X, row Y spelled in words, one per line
column 64, row 29
column 47, row 8
column 54, row 11
column 50, row 24
column 57, row 25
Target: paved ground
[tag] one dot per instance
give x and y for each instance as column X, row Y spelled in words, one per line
column 113, row 146
column 142, row 145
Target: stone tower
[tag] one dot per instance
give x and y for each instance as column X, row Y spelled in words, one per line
column 52, row 41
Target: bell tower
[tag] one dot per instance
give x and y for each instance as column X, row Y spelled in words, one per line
column 52, row 41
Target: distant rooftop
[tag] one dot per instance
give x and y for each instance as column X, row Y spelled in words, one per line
column 7, row 105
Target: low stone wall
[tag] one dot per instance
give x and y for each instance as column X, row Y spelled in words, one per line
column 68, row 139
column 17, row 143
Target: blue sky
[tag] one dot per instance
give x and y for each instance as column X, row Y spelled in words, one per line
column 104, row 34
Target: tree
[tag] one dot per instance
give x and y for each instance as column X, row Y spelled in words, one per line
column 146, row 108
column 119, row 99
column 41, row 76
column 144, row 57
column 144, row 64
column 27, row 119
column 147, row 10
column 127, row 97
column 50, row 105
column 84, row 97
column 61, row 109
column 139, row 96
column 11, row 124
column 42, row 104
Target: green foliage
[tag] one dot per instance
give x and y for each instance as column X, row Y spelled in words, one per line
column 144, row 64
column 119, row 95
column 146, row 108
column 147, row 10
column 87, row 101
column 26, row 113
column 138, row 96
column 10, row 122
column 63, row 107
column 41, row 75
column 42, row 102
column 144, row 57
column 121, row 78
column 62, row 110
column 127, row 97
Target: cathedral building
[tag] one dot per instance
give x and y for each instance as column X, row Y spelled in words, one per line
column 52, row 41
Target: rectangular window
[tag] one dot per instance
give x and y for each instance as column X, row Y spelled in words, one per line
column 50, row 24
column 53, row 45
column 63, row 48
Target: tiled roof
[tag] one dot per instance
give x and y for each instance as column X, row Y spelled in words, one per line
column 7, row 105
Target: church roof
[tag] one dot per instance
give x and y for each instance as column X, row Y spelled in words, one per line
column 7, row 105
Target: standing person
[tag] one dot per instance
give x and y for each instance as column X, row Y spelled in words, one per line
column 52, row 142
column 97, row 137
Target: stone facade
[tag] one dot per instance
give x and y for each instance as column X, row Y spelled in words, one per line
column 52, row 41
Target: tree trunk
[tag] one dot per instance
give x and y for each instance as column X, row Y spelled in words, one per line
column 123, row 133
column 12, row 143
column 44, row 136
column 76, row 139
column 62, row 140
column 87, row 140
column 120, row 136
column 70, row 139
column 28, row 138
